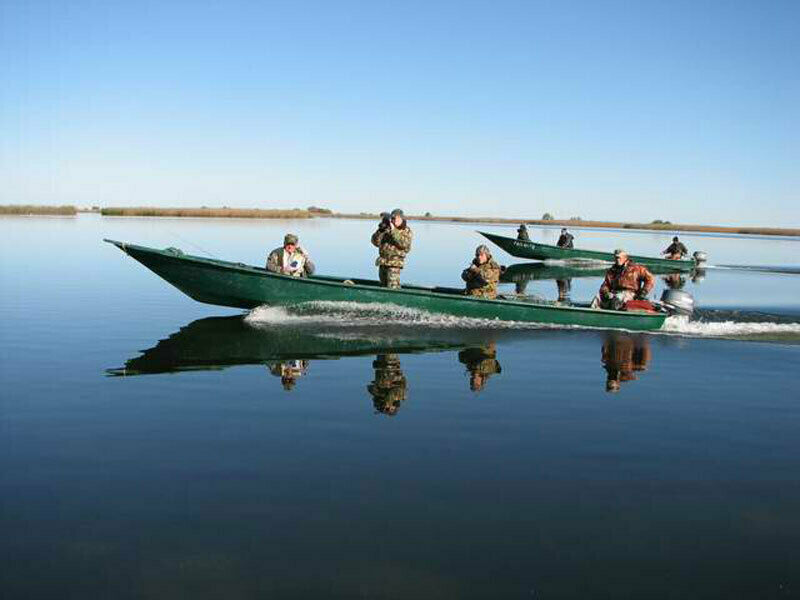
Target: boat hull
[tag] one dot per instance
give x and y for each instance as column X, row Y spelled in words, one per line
column 238, row 285
column 536, row 251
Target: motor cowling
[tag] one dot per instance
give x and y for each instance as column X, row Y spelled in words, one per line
column 678, row 302
column 700, row 257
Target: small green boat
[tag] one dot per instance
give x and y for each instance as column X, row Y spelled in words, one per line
column 243, row 286
column 536, row 251
column 540, row 271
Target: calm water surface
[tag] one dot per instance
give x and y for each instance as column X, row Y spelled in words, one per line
column 154, row 447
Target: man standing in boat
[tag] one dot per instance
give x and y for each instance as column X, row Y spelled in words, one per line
column 522, row 233
column 565, row 239
column 482, row 275
column 393, row 239
column 290, row 259
column 625, row 281
column 676, row 250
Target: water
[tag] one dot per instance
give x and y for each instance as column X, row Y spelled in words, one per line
column 154, row 447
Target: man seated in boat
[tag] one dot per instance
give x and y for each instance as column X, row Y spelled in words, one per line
column 522, row 233
column 565, row 239
column 676, row 250
column 290, row 259
column 393, row 239
column 482, row 275
column 624, row 281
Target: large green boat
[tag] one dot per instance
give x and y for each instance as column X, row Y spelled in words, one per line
column 537, row 251
column 239, row 285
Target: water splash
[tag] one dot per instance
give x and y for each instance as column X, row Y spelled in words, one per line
column 337, row 315
column 745, row 329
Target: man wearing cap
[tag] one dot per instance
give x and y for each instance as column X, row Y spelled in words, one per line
column 565, row 240
column 625, row 281
column 676, row 250
column 290, row 259
column 522, row 233
column 393, row 239
column 482, row 274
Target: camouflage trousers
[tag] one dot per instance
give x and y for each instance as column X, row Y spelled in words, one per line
column 389, row 276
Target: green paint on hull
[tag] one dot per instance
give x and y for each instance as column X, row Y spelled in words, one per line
column 535, row 251
column 242, row 286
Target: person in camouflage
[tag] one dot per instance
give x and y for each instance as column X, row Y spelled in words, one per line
column 290, row 259
column 388, row 389
column 393, row 239
column 482, row 275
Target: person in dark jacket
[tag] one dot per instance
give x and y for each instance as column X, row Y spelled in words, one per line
column 625, row 281
column 676, row 250
column 565, row 239
column 522, row 233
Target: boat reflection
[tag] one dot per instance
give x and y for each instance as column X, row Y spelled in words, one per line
column 622, row 356
column 286, row 351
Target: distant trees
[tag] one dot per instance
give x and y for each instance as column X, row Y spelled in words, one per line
column 319, row 211
column 660, row 222
column 575, row 219
column 547, row 217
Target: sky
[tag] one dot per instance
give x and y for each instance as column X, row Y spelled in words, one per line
column 672, row 110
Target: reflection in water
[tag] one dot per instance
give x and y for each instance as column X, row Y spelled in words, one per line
column 675, row 281
column 481, row 363
column 289, row 371
column 286, row 351
column 564, row 288
column 388, row 389
column 622, row 355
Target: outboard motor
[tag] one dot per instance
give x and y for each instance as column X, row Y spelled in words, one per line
column 700, row 257
column 678, row 302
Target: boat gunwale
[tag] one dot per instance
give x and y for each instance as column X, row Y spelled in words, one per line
column 339, row 282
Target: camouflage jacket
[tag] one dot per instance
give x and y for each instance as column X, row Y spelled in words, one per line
column 631, row 277
column 278, row 259
column 393, row 245
column 482, row 279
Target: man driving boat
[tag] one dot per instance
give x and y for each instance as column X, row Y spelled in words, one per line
column 625, row 281
column 676, row 250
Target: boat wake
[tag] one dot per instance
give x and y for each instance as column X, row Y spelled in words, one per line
column 347, row 314
column 726, row 324
column 736, row 325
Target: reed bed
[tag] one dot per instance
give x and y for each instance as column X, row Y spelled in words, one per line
column 33, row 209
column 590, row 224
column 234, row 213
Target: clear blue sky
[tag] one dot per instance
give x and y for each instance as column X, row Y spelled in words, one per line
column 687, row 111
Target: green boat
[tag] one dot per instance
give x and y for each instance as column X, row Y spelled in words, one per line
column 533, row 271
column 536, row 251
column 239, row 285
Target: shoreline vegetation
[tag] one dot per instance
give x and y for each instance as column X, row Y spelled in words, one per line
column 217, row 213
column 316, row 212
column 34, row 209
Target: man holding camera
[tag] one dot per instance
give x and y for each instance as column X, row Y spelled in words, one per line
column 290, row 259
column 393, row 239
